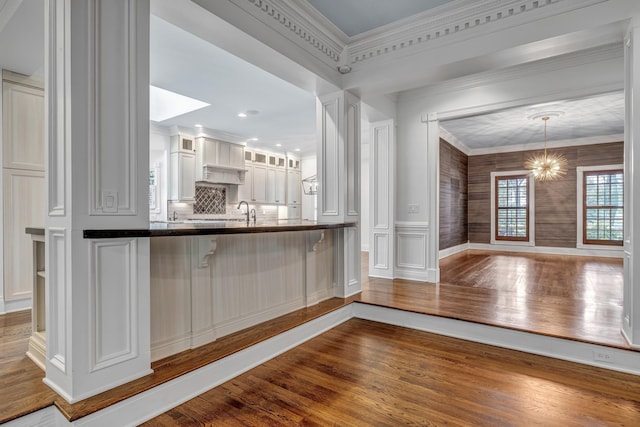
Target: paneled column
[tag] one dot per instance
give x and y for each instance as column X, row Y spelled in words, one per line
column 97, row 112
column 382, row 199
column 631, row 303
column 338, row 149
column 433, row 189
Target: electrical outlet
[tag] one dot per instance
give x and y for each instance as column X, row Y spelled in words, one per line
column 414, row 208
column 602, row 356
column 109, row 201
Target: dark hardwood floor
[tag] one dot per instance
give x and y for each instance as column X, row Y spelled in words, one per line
column 363, row 373
column 569, row 297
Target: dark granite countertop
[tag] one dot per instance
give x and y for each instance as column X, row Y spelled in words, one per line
column 204, row 227
column 38, row 231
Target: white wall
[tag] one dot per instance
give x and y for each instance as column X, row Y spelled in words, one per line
column 308, row 167
column 575, row 76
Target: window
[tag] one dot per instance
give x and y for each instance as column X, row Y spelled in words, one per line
column 603, row 207
column 512, row 208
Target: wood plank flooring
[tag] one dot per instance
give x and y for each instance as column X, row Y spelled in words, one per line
column 506, row 290
column 367, row 373
column 23, row 392
column 577, row 298
column 21, row 388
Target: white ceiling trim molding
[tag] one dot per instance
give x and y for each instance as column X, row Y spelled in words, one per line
column 303, row 25
column 592, row 140
column 454, row 142
column 611, row 51
column 296, row 25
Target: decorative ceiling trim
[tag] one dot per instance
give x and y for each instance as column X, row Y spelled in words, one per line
column 597, row 54
column 301, row 23
column 478, row 14
column 295, row 25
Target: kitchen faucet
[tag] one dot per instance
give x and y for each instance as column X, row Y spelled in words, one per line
column 240, row 204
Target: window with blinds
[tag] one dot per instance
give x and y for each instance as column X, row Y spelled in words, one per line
column 512, row 208
column 603, row 207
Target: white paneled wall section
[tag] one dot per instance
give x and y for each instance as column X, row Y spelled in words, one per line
column 97, row 134
column 338, row 126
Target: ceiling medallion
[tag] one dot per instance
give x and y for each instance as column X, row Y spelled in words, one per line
column 546, row 167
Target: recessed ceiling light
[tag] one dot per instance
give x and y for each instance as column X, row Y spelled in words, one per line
column 278, row 145
column 253, row 139
column 243, row 115
column 198, row 125
column 164, row 104
column 297, row 149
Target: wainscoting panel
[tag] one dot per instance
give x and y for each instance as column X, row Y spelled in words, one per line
column 114, row 337
column 412, row 251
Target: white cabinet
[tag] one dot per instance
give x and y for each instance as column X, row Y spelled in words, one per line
column 219, row 162
column 23, row 192
column 23, row 199
column 182, row 165
column 183, row 179
column 276, row 186
column 23, row 126
column 254, row 189
column 294, row 186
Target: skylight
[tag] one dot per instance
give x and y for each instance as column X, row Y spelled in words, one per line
column 165, row 104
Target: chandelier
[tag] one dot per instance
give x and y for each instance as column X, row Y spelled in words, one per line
column 546, row 167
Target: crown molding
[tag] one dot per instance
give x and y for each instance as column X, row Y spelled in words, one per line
column 591, row 140
column 305, row 26
column 450, row 139
column 297, row 25
column 597, row 54
column 458, row 23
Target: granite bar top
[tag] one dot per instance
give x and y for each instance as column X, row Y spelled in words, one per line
column 35, row 231
column 207, row 227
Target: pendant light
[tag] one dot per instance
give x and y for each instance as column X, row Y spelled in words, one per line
column 546, row 167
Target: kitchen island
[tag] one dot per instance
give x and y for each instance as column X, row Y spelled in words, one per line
column 213, row 278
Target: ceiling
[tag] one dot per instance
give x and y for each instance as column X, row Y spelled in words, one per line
column 355, row 17
column 597, row 116
column 190, row 66
column 186, row 64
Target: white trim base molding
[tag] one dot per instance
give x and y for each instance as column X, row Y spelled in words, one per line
column 548, row 250
column 453, row 250
column 14, row 305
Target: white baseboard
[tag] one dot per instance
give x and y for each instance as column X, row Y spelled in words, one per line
column 453, row 250
column 431, row 275
column 364, row 247
column 15, row 305
column 549, row 250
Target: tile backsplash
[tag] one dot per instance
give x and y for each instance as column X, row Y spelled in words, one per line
column 210, row 200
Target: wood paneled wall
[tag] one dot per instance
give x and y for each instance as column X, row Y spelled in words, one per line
column 555, row 201
column 453, row 196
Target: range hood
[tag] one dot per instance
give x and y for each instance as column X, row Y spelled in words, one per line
column 219, row 174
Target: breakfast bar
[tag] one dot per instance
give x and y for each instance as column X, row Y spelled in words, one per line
column 210, row 278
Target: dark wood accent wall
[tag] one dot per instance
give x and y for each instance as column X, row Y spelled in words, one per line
column 555, row 201
column 453, row 196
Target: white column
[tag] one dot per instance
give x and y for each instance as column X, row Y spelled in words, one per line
column 97, row 112
column 338, row 124
column 382, row 199
column 433, row 189
column 631, row 295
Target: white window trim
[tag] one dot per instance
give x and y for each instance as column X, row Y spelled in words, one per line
column 532, row 209
column 580, row 170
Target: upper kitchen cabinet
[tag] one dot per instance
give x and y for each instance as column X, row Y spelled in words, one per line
column 219, row 162
column 23, row 122
column 182, row 176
